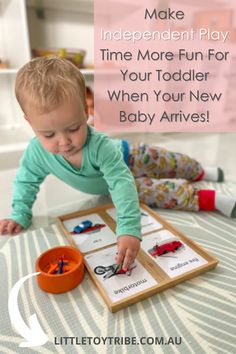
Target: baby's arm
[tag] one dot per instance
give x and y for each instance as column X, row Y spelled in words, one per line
column 125, row 198
column 30, row 175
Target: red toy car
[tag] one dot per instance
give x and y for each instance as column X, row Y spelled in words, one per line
column 166, row 246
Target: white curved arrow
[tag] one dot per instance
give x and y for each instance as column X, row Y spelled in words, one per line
column 34, row 334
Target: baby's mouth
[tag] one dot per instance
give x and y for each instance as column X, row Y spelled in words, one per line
column 66, row 152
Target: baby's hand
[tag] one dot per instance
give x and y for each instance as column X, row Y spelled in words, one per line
column 128, row 247
column 10, row 227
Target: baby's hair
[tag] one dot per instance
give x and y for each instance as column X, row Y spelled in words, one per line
column 45, row 83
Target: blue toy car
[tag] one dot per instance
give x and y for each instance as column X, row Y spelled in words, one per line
column 84, row 225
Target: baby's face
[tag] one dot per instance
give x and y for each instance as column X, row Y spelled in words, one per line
column 62, row 131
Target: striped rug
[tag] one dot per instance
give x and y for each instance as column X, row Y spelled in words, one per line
column 198, row 316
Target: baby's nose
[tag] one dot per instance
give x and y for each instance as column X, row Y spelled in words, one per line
column 64, row 140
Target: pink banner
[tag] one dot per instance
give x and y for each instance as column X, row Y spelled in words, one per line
column 167, row 67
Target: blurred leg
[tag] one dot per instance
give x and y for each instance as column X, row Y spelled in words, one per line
column 183, row 195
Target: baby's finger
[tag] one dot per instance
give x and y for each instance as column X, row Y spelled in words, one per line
column 18, row 229
column 3, row 227
column 10, row 227
column 128, row 260
column 120, row 256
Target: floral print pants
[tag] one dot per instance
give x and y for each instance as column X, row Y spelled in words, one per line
column 156, row 173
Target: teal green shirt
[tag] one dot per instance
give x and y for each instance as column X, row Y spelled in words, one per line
column 103, row 171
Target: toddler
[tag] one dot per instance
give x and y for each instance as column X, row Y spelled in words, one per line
column 51, row 93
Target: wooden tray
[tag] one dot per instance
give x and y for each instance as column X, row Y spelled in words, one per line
column 151, row 275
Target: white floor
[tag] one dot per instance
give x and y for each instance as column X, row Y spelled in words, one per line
column 56, row 198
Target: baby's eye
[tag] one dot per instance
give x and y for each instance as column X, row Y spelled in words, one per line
column 72, row 130
column 49, row 135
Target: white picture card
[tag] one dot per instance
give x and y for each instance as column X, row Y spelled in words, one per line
column 174, row 263
column 92, row 240
column 119, row 286
column 148, row 223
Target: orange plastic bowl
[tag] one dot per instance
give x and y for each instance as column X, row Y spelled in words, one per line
column 60, row 283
